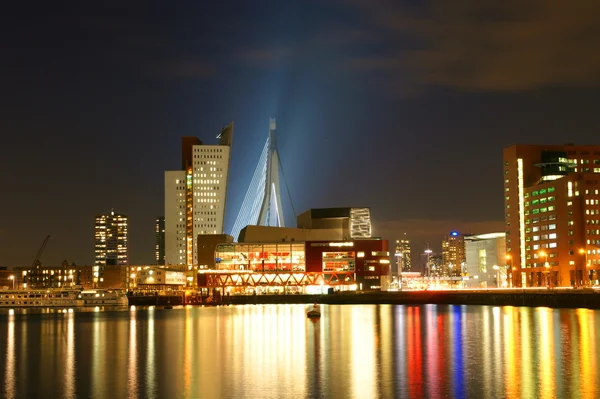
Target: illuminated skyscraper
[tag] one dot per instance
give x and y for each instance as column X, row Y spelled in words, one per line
column 552, row 214
column 110, row 237
column 453, row 254
column 403, row 255
column 195, row 196
column 160, row 241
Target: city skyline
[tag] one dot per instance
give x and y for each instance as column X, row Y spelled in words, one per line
column 363, row 117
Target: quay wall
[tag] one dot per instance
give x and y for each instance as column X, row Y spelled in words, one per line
column 581, row 298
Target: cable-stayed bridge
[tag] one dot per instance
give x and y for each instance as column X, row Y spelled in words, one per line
column 262, row 203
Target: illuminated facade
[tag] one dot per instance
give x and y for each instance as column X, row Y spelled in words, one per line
column 195, row 196
column 403, row 256
column 65, row 276
column 110, row 243
column 110, row 237
column 453, row 253
column 552, row 214
column 308, row 267
column 159, row 247
column 486, row 261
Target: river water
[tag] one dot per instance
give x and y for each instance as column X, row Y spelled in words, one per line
column 274, row 351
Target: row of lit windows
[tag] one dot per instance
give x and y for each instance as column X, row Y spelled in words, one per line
column 592, row 211
column 542, row 191
column 541, row 228
column 540, row 246
column 209, row 200
column 196, row 163
column 593, row 242
column 542, row 237
column 542, row 200
column 199, row 148
column 591, row 191
column 539, row 210
column 592, row 232
column 538, row 219
column 592, row 222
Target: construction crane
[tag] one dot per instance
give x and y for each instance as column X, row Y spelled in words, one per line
column 39, row 253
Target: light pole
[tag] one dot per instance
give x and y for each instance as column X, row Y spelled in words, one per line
column 12, row 277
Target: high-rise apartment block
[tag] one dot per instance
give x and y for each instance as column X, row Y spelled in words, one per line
column 453, row 253
column 195, row 196
column 403, row 255
column 159, row 248
column 552, row 214
column 110, row 243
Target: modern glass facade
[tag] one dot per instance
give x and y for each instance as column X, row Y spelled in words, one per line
column 261, row 257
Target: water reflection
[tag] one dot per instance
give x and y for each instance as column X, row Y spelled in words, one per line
column 70, row 357
column 9, row 360
column 275, row 352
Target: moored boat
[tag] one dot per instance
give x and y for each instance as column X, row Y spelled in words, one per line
column 40, row 298
column 102, row 297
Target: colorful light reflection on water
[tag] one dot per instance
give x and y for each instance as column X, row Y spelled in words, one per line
column 274, row 351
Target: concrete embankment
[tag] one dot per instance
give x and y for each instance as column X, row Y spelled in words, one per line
column 581, row 298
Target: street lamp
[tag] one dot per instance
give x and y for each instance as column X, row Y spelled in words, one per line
column 11, row 277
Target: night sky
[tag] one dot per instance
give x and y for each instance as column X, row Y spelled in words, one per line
column 404, row 109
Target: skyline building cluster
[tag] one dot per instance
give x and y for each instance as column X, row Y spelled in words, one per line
column 551, row 210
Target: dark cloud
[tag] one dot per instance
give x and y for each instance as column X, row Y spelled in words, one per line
column 485, row 45
column 187, row 68
column 264, row 56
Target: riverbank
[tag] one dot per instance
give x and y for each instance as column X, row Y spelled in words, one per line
column 581, row 298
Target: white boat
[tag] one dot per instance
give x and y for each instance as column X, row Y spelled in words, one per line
column 100, row 297
column 42, row 297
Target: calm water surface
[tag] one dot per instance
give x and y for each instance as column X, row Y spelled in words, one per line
column 274, row 351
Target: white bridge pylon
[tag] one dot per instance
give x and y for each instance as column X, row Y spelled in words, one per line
column 262, row 203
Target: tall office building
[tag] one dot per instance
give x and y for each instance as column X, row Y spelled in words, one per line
column 552, row 214
column 453, row 253
column 403, row 259
column 195, row 196
column 159, row 248
column 110, row 243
